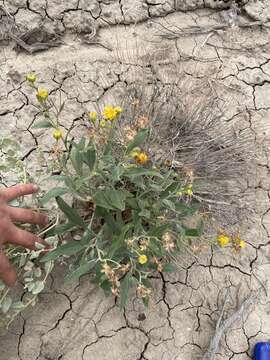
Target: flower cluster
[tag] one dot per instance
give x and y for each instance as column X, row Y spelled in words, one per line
column 143, row 291
column 187, row 190
column 224, row 239
column 168, row 242
column 142, row 259
column 139, row 156
column 108, row 115
column 114, row 274
column 42, row 94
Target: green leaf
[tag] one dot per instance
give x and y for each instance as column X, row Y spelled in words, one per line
column 185, row 209
column 154, row 246
column 169, row 204
column 146, row 301
column 71, row 213
column 138, row 140
column 5, row 306
column 169, row 268
column 106, row 286
column 52, row 194
column 71, row 248
column 81, row 270
column 171, row 189
column 18, row 305
column 145, row 213
column 117, row 172
column 76, row 158
column 43, row 124
column 60, row 229
column 48, row 266
column 126, row 284
column 2, row 285
column 159, row 230
column 89, row 157
column 110, row 199
column 37, row 287
column 197, row 232
column 137, row 172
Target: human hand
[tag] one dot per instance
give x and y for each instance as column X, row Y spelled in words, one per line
column 9, row 233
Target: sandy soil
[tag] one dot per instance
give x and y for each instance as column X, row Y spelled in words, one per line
column 88, row 48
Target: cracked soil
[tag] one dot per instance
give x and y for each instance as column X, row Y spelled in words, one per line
column 87, row 48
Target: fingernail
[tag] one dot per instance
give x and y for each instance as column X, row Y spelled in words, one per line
column 35, row 187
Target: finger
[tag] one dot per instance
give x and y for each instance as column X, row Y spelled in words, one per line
column 23, row 238
column 7, row 272
column 16, row 191
column 26, row 216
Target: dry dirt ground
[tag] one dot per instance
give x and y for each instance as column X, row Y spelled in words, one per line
column 80, row 42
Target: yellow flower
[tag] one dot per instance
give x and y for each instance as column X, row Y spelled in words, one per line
column 118, row 109
column 179, row 193
column 110, row 113
column 42, row 94
column 189, row 190
column 102, row 123
column 92, row 115
column 31, row 78
column 57, row 134
column 223, row 240
column 142, row 259
column 242, row 244
column 135, row 152
column 141, row 158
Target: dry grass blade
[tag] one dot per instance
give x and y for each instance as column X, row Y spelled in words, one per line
column 188, row 127
column 223, row 326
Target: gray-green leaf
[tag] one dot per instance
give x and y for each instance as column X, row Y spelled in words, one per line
column 138, row 140
column 71, row 213
column 53, row 193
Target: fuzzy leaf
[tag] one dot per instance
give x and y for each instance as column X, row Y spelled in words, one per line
column 53, row 193
column 81, row 270
column 71, row 248
column 43, row 124
column 19, row 305
column 126, row 284
column 89, row 157
column 138, row 140
column 169, row 268
column 197, row 232
column 5, row 306
column 38, row 287
column 76, row 158
column 68, row 249
column 137, row 172
column 71, row 213
column 60, row 229
column 110, row 199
